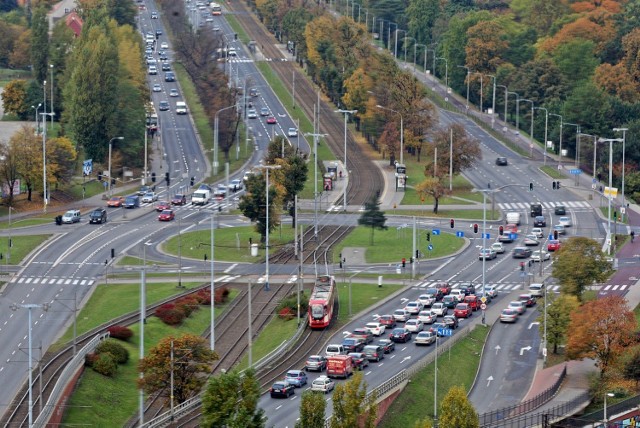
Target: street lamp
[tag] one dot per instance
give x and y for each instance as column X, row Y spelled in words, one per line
column 624, row 139
column 37, row 120
column 143, row 320
column 560, row 140
column 425, row 54
column 531, row 133
column 346, row 113
column 446, row 73
column 267, row 168
column 517, row 109
column 610, row 141
column 493, row 103
column 404, row 39
column 51, row 66
column 546, row 122
column 44, row 159
column 577, row 141
column 468, row 79
column 395, row 49
column 608, row 394
column 215, row 138
column 401, row 130
column 315, row 179
column 481, row 91
column 30, row 307
column 111, row 141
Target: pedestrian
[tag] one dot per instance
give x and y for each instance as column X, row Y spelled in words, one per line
column 633, row 235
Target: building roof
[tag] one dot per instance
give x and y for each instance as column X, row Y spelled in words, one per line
column 74, row 22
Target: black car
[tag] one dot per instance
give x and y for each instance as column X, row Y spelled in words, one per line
column 400, row 335
column 158, row 33
column 539, row 221
column 467, row 288
column 501, row 161
column 353, row 344
column 436, row 292
column 163, row 56
column 450, row 321
column 438, row 326
column 166, row 66
column 163, row 106
column 560, row 210
column 99, row 215
column 169, row 76
column 387, row 345
column 360, row 361
column 282, row 389
column 521, row 253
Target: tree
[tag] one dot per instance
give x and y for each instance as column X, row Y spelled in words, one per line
column 8, row 171
column 372, row 216
column 423, row 15
column 486, row 45
column 632, row 366
column 464, row 152
column 456, row 411
column 40, row 44
column 14, row 97
column 27, row 149
column 559, row 311
column 424, row 423
column 601, row 329
column 434, row 187
column 191, row 362
column 576, row 60
column 61, row 160
column 231, row 400
column 312, row 410
column 351, row 403
column 253, row 205
column 578, row 264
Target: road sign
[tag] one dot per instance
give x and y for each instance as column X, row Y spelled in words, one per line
column 513, row 236
column 445, row 332
column 483, row 306
column 610, row 191
column 575, row 171
column 483, row 299
column 460, row 234
column 486, row 236
column 429, row 247
column 522, row 274
column 550, row 236
column 594, row 181
column 435, row 231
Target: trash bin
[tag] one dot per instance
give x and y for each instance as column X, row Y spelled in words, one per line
column 254, row 250
column 59, row 220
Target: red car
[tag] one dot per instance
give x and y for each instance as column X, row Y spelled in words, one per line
column 179, row 200
column 462, row 310
column 444, row 287
column 166, row 215
column 510, row 228
column 163, row 205
column 115, row 202
column 271, row 120
column 388, row 321
column 553, row 245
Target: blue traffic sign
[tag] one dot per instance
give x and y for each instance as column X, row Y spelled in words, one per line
column 513, row 236
column 575, row 171
column 429, row 247
column 436, row 231
column 460, row 234
column 594, row 181
column 486, row 236
column 522, row 274
column 550, row 237
column 445, row 331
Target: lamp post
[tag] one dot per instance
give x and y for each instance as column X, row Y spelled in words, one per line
column 559, row 140
column 493, row 102
column 213, row 284
column 404, row 40
column 546, row 122
column 608, row 394
column 446, row 73
column 401, row 130
column 481, row 91
column 111, row 141
column 506, row 97
column 577, row 141
column 624, row 139
column 531, row 133
column 468, row 81
column 44, row 160
column 346, row 113
column 315, row 179
column 30, row 307
column 425, row 54
column 215, row 138
column 51, row 67
column 143, row 320
column 267, row 168
column 37, row 120
column 610, row 141
column 395, row 49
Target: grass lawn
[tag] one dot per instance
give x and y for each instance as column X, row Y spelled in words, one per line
column 91, row 188
column 272, row 336
column 461, row 191
column 22, row 245
column 23, row 222
column 362, row 296
column 392, row 245
column 231, row 244
column 605, row 212
column 457, row 367
column 553, row 171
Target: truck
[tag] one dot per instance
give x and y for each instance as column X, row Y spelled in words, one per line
column 201, row 196
column 181, row 107
column 339, row 366
column 513, row 218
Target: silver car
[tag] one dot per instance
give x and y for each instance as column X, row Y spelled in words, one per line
column 425, row 338
column 509, row 315
column 149, row 197
column 439, row 309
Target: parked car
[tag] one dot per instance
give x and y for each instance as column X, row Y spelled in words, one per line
column 316, row 363
column 323, row 384
column 167, row 215
column 400, row 335
column 462, row 310
column 179, row 199
column 387, row 345
column 508, row 315
column 425, row 338
column 282, row 389
column 71, row 216
column 374, row 352
column 99, row 215
column 297, row 378
column 360, row 360
column 414, row 325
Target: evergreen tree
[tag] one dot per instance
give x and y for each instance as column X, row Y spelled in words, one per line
column 372, row 216
column 40, row 45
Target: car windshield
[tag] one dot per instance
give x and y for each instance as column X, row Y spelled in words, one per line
column 317, row 311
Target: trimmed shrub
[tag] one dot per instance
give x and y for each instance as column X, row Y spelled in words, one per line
column 90, row 359
column 105, row 364
column 120, row 353
column 286, row 314
column 222, row 294
column 291, row 302
column 120, row 332
column 187, row 305
column 169, row 314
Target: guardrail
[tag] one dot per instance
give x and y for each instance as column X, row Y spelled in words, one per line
column 596, row 417
column 64, row 379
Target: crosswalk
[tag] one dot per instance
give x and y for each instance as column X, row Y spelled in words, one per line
column 506, row 287
column 52, row 281
column 517, row 206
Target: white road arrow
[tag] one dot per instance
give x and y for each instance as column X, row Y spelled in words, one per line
column 346, row 333
column 533, row 323
column 489, row 379
column 405, row 358
column 404, row 300
column 376, row 316
column 526, row 348
column 497, row 349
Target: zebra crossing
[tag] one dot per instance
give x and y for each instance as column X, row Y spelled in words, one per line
column 515, row 206
column 52, row 281
column 512, row 286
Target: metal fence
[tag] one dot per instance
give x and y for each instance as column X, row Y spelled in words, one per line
column 594, row 419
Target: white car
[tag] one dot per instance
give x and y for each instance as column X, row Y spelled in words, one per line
column 458, row 294
column 414, row 325
column 565, row 221
column 164, row 45
column 375, row 328
column 531, row 240
column 174, row 93
column 439, row 309
column 236, row 184
column 157, row 87
column 427, row 317
column 413, row 307
column 149, row 197
column 497, row 247
column 537, row 255
column 252, row 113
column 292, row 132
column 490, row 291
column 401, row 315
column 518, row 307
column 426, row 299
column 323, row 384
column 538, row 232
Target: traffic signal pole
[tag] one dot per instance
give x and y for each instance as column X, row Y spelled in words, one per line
column 413, row 251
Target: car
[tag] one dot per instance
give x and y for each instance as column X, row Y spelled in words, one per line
column 564, row 221
column 536, row 289
column 508, row 315
column 451, row 321
column 540, row 221
column 517, row 306
column 388, row 321
column 151, row 61
column 166, row 66
column 253, row 92
column 505, row 238
column 439, row 309
column 297, row 378
column 438, row 328
column 521, row 253
column 99, row 215
column 531, row 240
column 179, row 199
column 559, row 228
column 232, row 51
column 498, row 247
column 163, row 105
column 71, row 216
column 400, row 335
column 163, row 205
column 174, row 92
column 282, row 389
column 450, row 301
column 375, row 328
column 487, row 254
column 559, row 210
column 150, row 197
column 553, row 245
column 353, row 344
column 359, row 360
column 316, row 363
column 164, row 45
column 156, row 88
column 538, row 232
column 444, row 287
column 169, row 76
column 386, row 345
column 216, row 28
column 236, row 184
column 163, row 56
column 292, row 132
column 528, row 300
column 427, row 300
column 152, row 70
column 323, row 384
column 166, row 215
column 148, row 52
column 333, row 349
column 490, row 291
column 501, row 161
column 252, row 113
column 435, row 292
column 425, row 338
column 511, row 228
column 427, row 317
column 264, row 111
column 462, row 310
column 158, row 33
column 458, row 294
column 538, row 255
column 271, row 120
column 115, row 201
column 414, row 325
column 374, row 352
column 467, row 288
column 154, row 15
column 362, row 333
column 401, row 315
column 413, row 307
column 209, row 19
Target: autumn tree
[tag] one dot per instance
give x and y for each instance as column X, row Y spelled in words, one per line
column 191, row 363
column 424, row 423
column 8, row 171
column 231, row 400
column 14, row 98
column 486, row 44
column 20, row 57
column 601, row 329
column 578, row 264
column 312, row 410
column 372, row 216
column 434, row 187
column 253, row 204
column 457, row 144
column 456, row 411
column 558, row 317
column 352, row 406
column 26, row 147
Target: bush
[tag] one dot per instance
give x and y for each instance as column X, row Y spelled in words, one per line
column 105, row 364
column 169, row 314
column 222, row 294
column 291, row 302
column 120, row 353
column 90, row 359
column 286, row 314
column 187, row 305
column 120, row 332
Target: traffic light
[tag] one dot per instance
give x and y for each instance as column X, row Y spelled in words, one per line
column 153, row 177
column 522, row 266
column 192, row 181
column 452, row 222
column 615, row 215
column 99, row 177
column 428, row 237
column 410, row 260
column 557, row 185
column 167, row 178
column 404, row 262
column 417, row 254
column 235, row 36
column 531, row 187
column 113, row 181
column 113, row 253
column 501, row 230
column 475, row 228
column 553, row 185
column 555, row 234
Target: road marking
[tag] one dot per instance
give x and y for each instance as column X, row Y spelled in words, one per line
column 227, row 270
column 526, row 348
column 497, row 348
column 489, row 379
column 532, row 324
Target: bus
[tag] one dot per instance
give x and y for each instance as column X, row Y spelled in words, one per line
column 152, row 120
column 216, row 9
column 321, row 302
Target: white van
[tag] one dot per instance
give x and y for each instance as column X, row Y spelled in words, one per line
column 181, row 107
column 513, row 218
column 334, row 350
